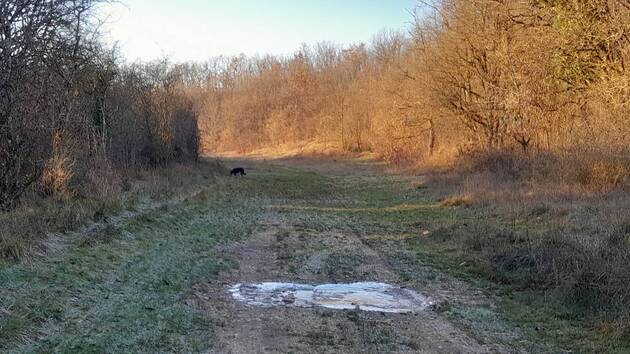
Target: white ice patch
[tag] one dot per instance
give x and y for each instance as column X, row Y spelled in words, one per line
column 367, row 296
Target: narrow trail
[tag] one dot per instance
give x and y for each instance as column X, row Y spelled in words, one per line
column 267, row 256
column 287, row 247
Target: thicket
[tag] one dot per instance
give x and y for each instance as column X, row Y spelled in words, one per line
column 71, row 114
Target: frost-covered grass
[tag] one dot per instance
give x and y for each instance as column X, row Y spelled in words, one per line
column 125, row 290
column 126, row 294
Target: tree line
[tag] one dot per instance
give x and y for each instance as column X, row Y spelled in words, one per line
column 524, row 76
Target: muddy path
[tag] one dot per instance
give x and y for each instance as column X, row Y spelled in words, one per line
column 301, row 241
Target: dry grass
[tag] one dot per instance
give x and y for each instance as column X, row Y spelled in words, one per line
column 570, row 226
column 93, row 198
column 457, row 201
column 313, row 149
column 55, row 180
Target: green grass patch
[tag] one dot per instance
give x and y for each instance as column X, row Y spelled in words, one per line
column 126, row 294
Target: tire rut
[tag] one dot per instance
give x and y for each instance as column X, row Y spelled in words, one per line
column 281, row 251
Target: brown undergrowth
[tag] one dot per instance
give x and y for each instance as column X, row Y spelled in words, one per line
column 553, row 223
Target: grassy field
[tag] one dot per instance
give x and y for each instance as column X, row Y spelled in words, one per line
column 125, row 288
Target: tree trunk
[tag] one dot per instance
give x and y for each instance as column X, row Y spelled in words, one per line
column 432, row 137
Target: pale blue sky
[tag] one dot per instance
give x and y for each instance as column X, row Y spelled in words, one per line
column 199, row 29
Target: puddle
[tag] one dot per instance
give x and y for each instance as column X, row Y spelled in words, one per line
column 368, row 296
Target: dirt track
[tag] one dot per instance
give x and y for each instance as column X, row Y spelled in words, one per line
column 291, row 244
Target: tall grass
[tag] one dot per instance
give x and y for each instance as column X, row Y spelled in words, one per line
column 567, row 226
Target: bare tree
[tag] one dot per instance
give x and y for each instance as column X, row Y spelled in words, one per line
column 42, row 49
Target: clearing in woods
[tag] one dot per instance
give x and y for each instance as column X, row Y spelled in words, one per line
column 159, row 282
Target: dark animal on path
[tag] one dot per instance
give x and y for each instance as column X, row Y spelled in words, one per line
column 238, row 171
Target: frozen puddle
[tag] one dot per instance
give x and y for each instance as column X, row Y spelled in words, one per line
column 378, row 297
